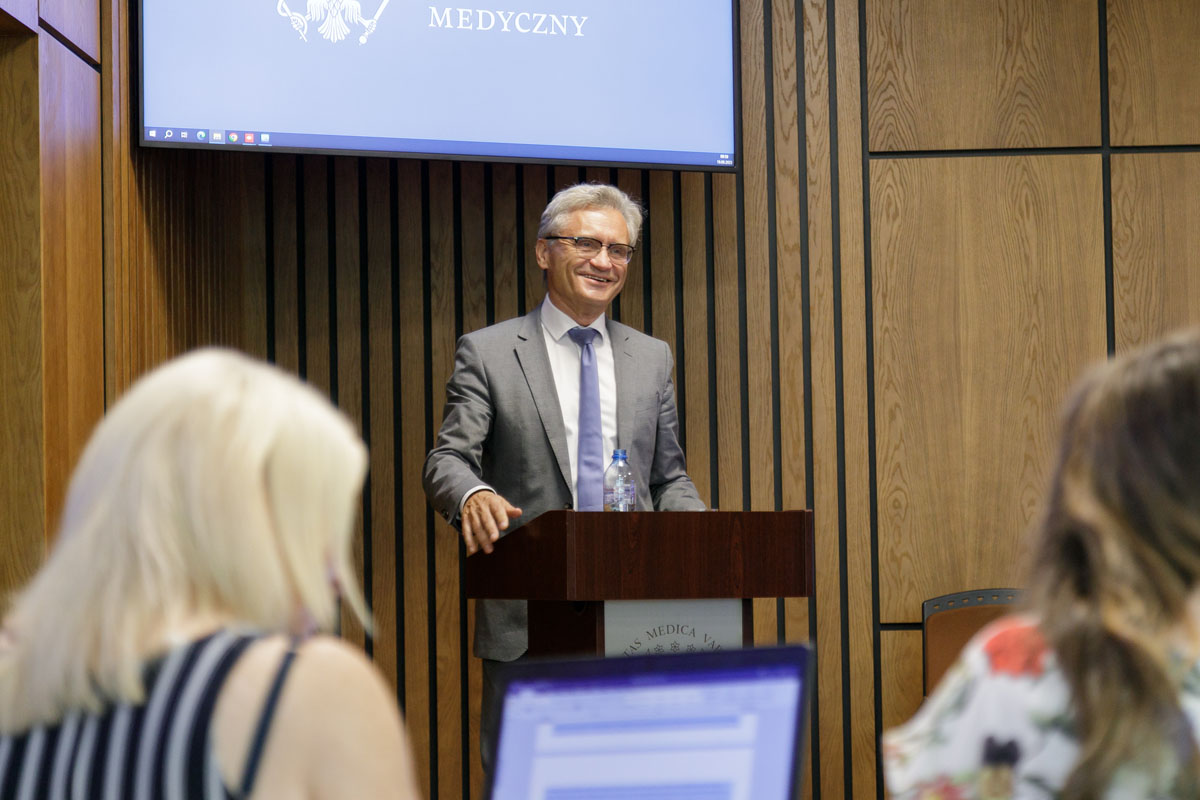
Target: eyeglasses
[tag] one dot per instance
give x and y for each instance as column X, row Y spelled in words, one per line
column 588, row 247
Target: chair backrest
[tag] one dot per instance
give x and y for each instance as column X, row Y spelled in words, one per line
column 951, row 620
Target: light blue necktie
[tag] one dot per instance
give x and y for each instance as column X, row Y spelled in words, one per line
column 589, row 479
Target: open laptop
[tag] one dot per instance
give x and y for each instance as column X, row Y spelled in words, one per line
column 724, row 725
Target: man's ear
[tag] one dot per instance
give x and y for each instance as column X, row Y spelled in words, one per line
column 542, row 251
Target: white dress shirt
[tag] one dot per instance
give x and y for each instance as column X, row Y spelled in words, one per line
column 564, row 365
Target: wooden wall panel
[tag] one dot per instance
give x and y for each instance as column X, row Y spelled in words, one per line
column 18, row 17
column 1156, row 244
column 372, row 268
column 901, row 659
column 935, row 309
column 77, row 20
column 72, row 264
column 1154, row 89
column 22, row 507
column 966, row 74
column 988, row 300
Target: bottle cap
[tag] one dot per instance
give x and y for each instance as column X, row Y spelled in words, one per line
column 619, row 454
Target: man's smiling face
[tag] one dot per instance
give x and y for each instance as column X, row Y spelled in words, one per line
column 583, row 287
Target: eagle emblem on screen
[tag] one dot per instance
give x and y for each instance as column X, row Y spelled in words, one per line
column 335, row 18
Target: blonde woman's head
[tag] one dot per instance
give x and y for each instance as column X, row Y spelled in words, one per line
column 217, row 487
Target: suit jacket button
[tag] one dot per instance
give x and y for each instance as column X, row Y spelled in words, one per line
column 567, row 506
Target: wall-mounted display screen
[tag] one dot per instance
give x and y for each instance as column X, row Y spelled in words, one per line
column 622, row 82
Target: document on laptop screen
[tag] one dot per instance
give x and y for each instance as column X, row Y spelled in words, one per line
column 728, row 735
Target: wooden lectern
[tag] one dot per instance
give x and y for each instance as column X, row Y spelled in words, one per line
column 567, row 563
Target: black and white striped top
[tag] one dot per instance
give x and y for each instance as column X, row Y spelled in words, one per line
column 156, row 751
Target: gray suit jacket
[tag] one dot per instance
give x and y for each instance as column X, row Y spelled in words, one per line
column 503, row 427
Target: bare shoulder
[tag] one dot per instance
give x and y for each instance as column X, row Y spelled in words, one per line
column 336, row 731
column 338, row 680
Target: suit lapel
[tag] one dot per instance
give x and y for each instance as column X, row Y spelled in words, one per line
column 535, row 364
column 625, row 373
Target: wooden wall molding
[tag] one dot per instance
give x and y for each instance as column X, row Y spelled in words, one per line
column 22, row 507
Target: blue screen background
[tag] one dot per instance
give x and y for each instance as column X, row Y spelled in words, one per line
column 646, row 74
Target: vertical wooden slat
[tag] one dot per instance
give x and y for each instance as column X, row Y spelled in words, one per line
column 382, row 476
column 859, row 614
column 823, row 400
column 442, row 293
column 285, row 263
column 661, row 261
column 631, row 304
column 472, row 247
column 504, row 240
column 789, row 255
column 348, row 325
column 315, row 362
column 789, row 265
column 533, row 202
column 414, row 442
column 240, row 296
column 758, row 331
column 565, row 176
column 728, row 355
column 474, row 300
column 698, row 413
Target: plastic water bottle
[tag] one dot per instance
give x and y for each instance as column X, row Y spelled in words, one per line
column 620, row 491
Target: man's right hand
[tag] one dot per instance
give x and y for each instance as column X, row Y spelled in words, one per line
column 484, row 516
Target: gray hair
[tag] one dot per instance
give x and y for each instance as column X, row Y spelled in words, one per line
column 590, row 195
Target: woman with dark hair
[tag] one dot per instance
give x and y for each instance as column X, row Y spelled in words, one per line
column 1094, row 690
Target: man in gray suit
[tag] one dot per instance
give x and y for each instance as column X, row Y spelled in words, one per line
column 509, row 445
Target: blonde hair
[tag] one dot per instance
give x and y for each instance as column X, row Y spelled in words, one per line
column 1117, row 559
column 216, row 485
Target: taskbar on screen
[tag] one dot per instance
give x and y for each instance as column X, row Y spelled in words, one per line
column 241, row 138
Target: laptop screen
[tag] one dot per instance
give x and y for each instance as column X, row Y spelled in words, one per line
column 712, row 726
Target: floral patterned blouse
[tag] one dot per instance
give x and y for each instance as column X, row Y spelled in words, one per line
column 999, row 726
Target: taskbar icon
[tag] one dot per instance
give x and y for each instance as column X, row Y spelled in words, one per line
column 252, row 138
